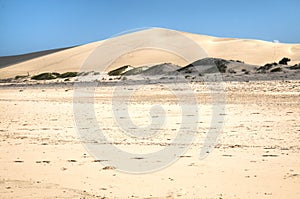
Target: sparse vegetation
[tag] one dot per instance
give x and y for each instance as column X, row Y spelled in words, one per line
column 239, row 61
column 44, row 76
column 54, row 75
column 67, row 75
column 266, row 67
column 276, row 70
column 21, row 76
column 119, row 71
column 270, row 65
column 231, row 71
column 295, row 67
column 83, row 74
column 284, row 61
column 221, row 66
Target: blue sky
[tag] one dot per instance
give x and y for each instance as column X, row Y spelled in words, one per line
column 34, row 25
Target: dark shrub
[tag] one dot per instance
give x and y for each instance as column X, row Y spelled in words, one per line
column 21, row 76
column 239, row 61
column 295, row 67
column 276, row 70
column 67, row 75
column 44, row 76
column 119, row 71
column 231, row 70
column 55, row 73
column 221, row 66
column 266, row 67
column 269, row 65
column 83, row 74
column 284, row 61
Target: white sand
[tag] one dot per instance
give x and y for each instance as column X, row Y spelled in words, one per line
column 257, row 155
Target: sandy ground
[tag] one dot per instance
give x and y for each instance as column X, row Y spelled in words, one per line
column 257, row 154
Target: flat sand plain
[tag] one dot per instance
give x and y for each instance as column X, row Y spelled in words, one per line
column 256, row 156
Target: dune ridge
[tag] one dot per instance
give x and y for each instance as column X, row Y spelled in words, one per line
column 254, row 52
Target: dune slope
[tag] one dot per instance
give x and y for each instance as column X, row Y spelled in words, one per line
column 251, row 51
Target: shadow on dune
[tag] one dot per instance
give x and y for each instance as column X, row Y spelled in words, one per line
column 14, row 59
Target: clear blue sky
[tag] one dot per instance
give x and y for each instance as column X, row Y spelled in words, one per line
column 34, row 25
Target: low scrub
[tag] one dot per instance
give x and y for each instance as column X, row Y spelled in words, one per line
column 54, row 75
column 276, row 70
column 21, row 76
column 44, row 76
column 120, row 71
column 284, row 61
column 67, row 75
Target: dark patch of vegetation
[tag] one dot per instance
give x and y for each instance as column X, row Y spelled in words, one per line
column 276, row 70
column 246, row 72
column 231, row 71
column 239, row 61
column 270, row 65
column 221, row 66
column 119, row 71
column 56, row 74
column 266, row 67
column 44, row 76
column 21, row 76
column 295, row 67
column 6, row 80
column 284, row 61
column 67, row 75
column 83, row 74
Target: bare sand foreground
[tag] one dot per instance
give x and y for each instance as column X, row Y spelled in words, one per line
column 257, row 154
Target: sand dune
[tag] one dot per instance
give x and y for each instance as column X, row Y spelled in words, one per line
column 44, row 146
column 14, row 59
column 251, row 51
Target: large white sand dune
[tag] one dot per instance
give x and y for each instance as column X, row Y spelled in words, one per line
column 251, row 51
